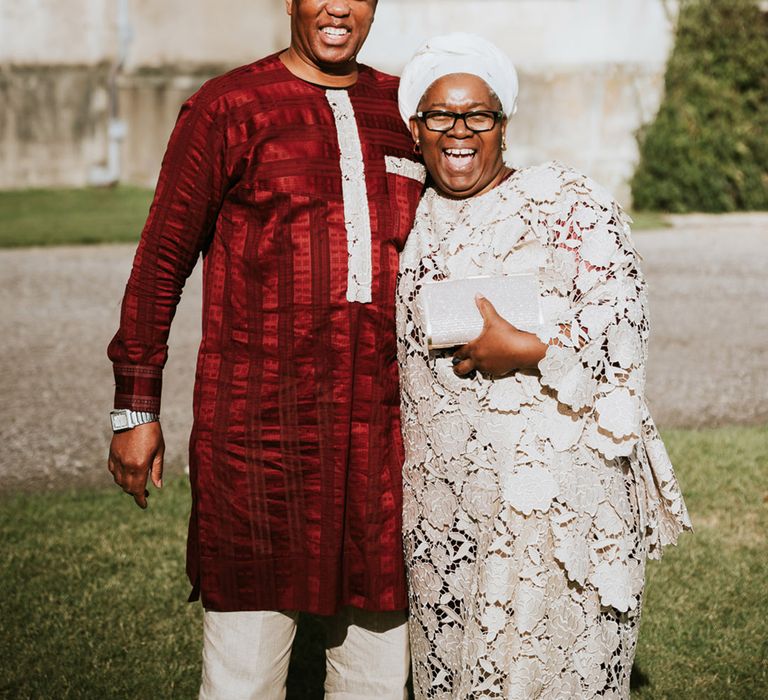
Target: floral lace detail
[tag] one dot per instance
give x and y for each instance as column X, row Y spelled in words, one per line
column 357, row 217
column 532, row 501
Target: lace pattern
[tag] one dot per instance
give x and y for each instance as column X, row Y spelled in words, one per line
column 532, row 501
column 357, row 218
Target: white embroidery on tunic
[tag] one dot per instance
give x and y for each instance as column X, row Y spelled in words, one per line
column 406, row 168
column 357, row 217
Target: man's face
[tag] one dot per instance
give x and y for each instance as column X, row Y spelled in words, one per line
column 329, row 33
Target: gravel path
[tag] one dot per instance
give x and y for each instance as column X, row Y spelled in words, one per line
column 60, row 306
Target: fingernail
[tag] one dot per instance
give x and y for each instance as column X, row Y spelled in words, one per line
column 479, row 296
column 455, row 361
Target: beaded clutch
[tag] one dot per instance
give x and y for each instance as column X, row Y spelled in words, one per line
column 452, row 318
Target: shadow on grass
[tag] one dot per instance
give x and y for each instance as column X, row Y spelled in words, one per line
column 638, row 679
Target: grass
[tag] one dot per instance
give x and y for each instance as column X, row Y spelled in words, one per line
column 92, row 590
column 92, row 600
column 703, row 631
column 110, row 215
column 72, row 216
column 645, row 220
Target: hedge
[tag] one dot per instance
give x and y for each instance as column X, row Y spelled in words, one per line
column 707, row 149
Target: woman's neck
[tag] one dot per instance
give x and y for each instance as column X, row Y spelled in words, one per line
column 502, row 174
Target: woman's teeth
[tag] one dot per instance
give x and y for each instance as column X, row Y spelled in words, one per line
column 459, row 156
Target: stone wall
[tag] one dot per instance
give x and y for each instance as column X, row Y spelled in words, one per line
column 54, row 101
column 591, row 73
column 56, row 58
column 52, row 123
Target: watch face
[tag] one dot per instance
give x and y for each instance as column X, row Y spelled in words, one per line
column 119, row 420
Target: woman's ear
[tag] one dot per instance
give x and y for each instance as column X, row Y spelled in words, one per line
column 413, row 125
column 504, row 124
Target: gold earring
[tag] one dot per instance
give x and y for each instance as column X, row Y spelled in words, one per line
column 503, row 143
column 417, row 148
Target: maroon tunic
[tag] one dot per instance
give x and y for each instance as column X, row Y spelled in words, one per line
column 296, row 449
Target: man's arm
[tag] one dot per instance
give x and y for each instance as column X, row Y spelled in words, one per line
column 189, row 193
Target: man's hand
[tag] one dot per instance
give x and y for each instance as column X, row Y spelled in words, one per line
column 500, row 348
column 135, row 454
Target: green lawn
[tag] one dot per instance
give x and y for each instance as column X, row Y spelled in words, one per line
column 643, row 220
column 92, row 590
column 72, row 216
column 111, row 215
column 703, row 633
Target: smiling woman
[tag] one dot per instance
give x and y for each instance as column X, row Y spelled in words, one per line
column 535, row 482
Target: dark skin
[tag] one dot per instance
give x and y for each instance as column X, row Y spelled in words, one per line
column 466, row 164
column 326, row 36
column 134, row 456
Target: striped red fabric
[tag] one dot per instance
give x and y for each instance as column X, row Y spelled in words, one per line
column 296, row 451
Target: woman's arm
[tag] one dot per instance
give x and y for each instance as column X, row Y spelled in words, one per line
column 592, row 349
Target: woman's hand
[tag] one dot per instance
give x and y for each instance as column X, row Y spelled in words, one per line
column 500, row 348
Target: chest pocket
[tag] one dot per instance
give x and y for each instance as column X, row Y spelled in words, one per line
column 405, row 185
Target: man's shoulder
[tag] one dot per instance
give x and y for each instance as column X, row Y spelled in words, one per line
column 378, row 87
column 381, row 80
column 246, row 79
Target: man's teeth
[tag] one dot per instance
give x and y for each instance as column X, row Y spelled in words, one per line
column 336, row 31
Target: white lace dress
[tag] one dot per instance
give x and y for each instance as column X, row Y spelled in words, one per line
column 532, row 501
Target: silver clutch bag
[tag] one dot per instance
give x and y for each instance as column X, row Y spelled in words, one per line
column 451, row 316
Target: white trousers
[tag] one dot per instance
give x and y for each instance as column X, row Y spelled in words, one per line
column 246, row 655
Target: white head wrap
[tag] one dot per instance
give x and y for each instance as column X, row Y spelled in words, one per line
column 457, row 53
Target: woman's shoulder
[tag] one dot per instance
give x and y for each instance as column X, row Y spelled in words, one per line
column 552, row 180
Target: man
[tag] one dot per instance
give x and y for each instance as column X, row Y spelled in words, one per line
column 294, row 178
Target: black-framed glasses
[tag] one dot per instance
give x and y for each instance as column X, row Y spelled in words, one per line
column 438, row 120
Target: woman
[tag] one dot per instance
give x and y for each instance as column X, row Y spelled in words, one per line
column 536, row 484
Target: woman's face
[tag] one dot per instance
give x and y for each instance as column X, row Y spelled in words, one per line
column 462, row 163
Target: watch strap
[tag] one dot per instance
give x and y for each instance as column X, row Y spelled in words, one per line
column 125, row 418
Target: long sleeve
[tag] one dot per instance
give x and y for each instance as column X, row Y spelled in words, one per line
column 190, row 189
column 598, row 336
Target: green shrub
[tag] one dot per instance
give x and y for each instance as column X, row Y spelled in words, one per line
column 707, row 149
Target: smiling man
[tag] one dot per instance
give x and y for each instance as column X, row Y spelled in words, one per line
column 295, row 180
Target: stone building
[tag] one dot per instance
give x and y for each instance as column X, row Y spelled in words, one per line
column 89, row 89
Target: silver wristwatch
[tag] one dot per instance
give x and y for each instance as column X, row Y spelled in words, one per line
column 125, row 419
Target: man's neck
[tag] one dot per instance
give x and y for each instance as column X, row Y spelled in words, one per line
column 345, row 76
